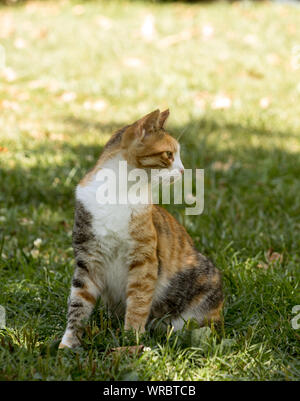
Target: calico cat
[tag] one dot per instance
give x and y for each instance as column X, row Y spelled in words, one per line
column 137, row 257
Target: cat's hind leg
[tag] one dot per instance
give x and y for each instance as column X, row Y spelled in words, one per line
column 192, row 293
column 202, row 317
column 82, row 299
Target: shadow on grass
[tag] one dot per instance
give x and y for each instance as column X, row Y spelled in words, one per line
column 54, row 185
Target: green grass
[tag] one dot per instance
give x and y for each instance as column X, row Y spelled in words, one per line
column 250, row 153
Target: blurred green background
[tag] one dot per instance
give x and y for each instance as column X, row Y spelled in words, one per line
column 73, row 72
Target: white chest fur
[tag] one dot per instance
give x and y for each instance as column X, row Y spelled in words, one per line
column 110, row 218
column 111, row 226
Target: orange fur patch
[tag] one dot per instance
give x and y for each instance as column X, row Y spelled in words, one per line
column 87, row 296
column 215, row 314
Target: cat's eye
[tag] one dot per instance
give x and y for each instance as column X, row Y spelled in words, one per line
column 169, row 155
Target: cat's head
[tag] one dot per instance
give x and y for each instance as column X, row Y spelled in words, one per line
column 145, row 144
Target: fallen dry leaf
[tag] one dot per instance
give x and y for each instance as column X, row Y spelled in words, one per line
column 36, row 134
column 273, row 257
column 40, row 33
column 148, row 28
column 179, row 37
column 20, row 43
column 251, row 40
column 9, row 105
column 54, row 136
column 78, row 9
column 104, row 22
column 199, row 103
column 273, row 59
column 68, row 97
column 64, row 224
column 98, row 105
column 207, row 31
column 133, row 62
column 263, row 265
column 221, row 166
column 200, row 100
column 255, row 74
column 132, row 349
column 221, row 102
column 264, row 102
column 9, row 74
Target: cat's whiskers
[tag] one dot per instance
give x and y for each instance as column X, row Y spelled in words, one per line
column 180, row 135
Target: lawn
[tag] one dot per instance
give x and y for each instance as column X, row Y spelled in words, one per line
column 230, row 74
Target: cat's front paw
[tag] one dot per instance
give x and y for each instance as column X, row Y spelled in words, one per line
column 69, row 340
column 136, row 327
column 62, row 345
column 73, row 344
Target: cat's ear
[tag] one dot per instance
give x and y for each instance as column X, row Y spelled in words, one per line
column 144, row 126
column 163, row 117
column 147, row 124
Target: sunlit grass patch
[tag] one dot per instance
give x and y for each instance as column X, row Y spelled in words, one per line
column 73, row 76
